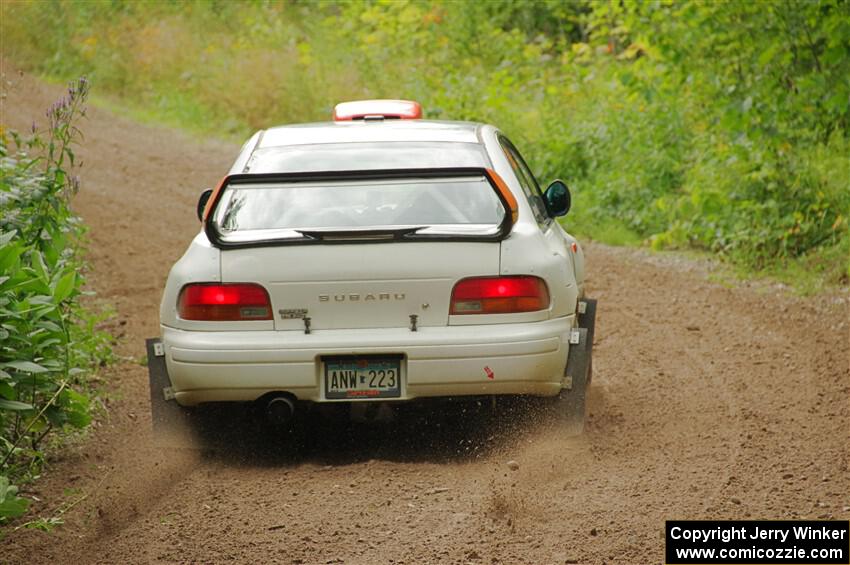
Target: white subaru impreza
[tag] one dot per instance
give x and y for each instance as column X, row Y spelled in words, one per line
column 377, row 258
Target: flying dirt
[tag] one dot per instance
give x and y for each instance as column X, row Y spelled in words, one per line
column 711, row 399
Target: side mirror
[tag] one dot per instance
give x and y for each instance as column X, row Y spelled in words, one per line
column 557, row 199
column 202, row 203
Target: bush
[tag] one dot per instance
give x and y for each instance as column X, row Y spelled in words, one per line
column 48, row 339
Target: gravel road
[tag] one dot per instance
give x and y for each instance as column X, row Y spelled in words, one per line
column 711, row 399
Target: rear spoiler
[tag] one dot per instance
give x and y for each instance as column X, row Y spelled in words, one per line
column 499, row 186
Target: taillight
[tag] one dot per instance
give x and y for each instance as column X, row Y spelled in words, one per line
column 499, row 295
column 224, row 302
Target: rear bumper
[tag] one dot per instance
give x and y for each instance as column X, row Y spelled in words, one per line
column 524, row 358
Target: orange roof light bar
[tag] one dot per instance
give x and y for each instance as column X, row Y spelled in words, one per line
column 380, row 109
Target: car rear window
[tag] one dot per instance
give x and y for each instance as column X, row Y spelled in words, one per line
column 462, row 205
column 366, row 156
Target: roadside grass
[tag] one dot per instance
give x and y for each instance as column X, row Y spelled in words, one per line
column 608, row 231
column 169, row 109
column 174, row 111
column 821, row 270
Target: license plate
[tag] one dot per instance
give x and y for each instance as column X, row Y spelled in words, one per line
column 362, row 377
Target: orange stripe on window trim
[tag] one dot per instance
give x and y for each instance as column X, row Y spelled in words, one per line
column 214, row 197
column 506, row 194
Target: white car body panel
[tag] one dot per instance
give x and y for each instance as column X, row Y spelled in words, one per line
column 377, row 285
column 360, row 297
column 360, row 132
column 525, row 358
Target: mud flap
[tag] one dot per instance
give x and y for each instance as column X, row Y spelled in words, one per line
column 572, row 397
column 171, row 422
column 587, row 319
column 579, row 366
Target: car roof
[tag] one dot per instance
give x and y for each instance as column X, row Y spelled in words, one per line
column 365, row 131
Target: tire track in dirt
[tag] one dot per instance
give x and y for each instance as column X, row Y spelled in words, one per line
column 708, row 401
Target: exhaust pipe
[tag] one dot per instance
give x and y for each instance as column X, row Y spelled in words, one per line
column 280, row 410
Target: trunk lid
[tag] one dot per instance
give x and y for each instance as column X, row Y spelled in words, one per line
column 361, row 285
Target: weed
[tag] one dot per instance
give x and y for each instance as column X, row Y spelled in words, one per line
column 49, row 342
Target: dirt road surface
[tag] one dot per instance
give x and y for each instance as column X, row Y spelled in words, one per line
column 711, row 400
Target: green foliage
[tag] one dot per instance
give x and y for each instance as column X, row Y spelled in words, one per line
column 46, row 338
column 720, row 126
column 11, row 505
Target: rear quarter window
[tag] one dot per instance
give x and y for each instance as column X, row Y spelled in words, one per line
column 526, row 180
